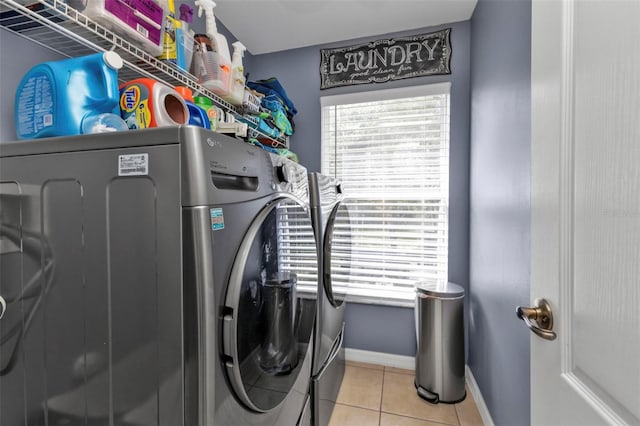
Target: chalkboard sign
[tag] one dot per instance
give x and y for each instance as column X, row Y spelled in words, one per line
column 384, row 60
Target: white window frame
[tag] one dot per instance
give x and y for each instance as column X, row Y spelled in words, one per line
column 391, row 297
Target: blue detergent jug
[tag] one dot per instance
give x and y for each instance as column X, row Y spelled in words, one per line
column 197, row 115
column 55, row 98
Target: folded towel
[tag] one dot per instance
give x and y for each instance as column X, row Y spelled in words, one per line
column 272, row 86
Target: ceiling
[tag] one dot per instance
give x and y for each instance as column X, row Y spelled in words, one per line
column 266, row 26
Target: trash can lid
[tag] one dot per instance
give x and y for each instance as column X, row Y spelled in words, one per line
column 440, row 289
column 281, row 279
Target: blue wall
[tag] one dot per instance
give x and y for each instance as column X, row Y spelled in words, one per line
column 500, row 205
column 298, row 70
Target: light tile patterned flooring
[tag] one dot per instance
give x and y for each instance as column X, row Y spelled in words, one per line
column 385, row 396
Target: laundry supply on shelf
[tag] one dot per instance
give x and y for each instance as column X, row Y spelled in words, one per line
column 57, row 98
column 212, row 112
column 66, row 29
column 211, row 62
column 103, row 123
column 140, row 21
column 146, row 103
column 236, row 86
column 251, row 101
column 197, row 115
column 184, row 38
column 169, row 36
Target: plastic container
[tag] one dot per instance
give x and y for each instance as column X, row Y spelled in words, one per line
column 218, row 82
column 197, row 116
column 184, row 38
column 207, row 67
column 140, row 21
column 146, row 103
column 222, row 47
column 251, row 101
column 103, row 123
column 54, row 98
column 236, row 85
column 212, row 112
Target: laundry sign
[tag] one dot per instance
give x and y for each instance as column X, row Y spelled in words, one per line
column 384, row 60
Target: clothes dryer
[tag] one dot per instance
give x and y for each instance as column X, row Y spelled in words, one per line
column 331, row 224
column 150, row 278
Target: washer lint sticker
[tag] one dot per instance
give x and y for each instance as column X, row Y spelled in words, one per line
column 133, row 164
column 217, row 219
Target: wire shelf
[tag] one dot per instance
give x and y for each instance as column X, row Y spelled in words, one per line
column 64, row 30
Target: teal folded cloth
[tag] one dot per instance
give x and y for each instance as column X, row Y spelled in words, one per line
column 282, row 122
column 267, row 129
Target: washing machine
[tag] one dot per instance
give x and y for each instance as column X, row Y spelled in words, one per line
column 331, row 224
column 150, row 278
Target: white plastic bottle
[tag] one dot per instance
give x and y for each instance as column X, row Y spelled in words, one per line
column 223, row 60
column 236, row 87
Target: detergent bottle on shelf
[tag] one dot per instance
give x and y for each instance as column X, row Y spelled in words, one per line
column 212, row 113
column 171, row 32
column 197, row 115
column 216, row 62
column 236, row 87
column 146, row 103
column 57, row 98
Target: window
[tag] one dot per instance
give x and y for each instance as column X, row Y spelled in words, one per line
column 390, row 150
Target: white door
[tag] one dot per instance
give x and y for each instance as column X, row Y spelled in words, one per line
column 586, row 210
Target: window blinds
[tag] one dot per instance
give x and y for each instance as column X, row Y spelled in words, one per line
column 390, row 150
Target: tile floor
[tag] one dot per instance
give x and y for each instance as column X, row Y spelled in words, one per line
column 385, row 396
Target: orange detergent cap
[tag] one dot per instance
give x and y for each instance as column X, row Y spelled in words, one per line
column 185, row 92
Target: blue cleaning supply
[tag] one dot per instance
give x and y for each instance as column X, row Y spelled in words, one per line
column 54, row 98
column 198, row 116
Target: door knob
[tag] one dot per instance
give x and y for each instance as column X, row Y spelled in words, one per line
column 539, row 318
column 3, row 307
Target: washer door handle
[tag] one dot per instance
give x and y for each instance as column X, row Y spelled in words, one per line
column 3, row 307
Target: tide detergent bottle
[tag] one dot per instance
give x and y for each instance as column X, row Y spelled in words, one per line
column 59, row 98
column 147, row 103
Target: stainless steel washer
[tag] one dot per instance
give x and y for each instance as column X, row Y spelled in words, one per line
column 150, row 278
column 331, row 224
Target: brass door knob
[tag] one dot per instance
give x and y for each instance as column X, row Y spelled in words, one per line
column 539, row 318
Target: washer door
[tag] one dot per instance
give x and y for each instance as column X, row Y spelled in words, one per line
column 266, row 327
column 337, row 255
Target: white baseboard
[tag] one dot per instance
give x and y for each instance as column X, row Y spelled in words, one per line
column 380, row 358
column 409, row 363
column 477, row 396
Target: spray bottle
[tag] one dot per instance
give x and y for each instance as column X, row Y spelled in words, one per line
column 236, row 88
column 221, row 47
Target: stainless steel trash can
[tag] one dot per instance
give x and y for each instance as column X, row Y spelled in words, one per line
column 439, row 314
